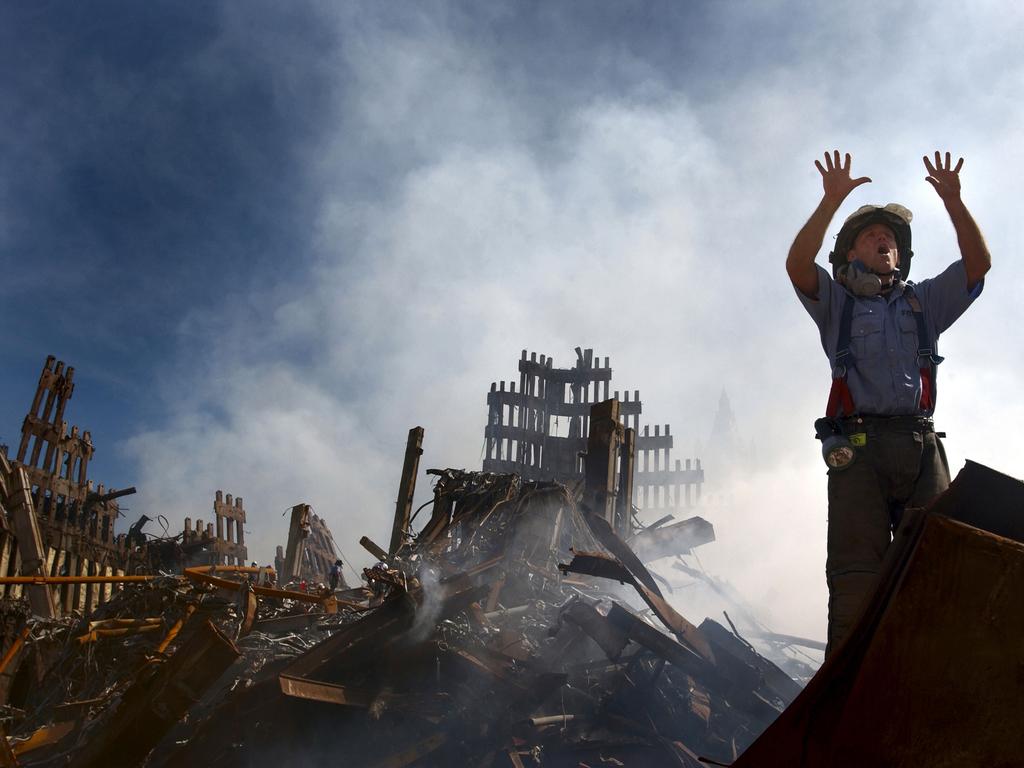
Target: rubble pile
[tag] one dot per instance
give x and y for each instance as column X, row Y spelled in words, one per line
column 514, row 629
column 105, row 690
column 511, row 620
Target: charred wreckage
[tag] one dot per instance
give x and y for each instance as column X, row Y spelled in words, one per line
column 510, row 621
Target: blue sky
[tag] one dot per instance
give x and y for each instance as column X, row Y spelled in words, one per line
column 272, row 237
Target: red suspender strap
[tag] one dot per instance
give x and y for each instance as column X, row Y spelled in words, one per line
column 840, row 401
column 927, row 356
column 927, row 389
column 839, row 396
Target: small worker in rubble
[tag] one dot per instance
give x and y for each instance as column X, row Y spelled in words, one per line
column 335, row 574
column 879, row 331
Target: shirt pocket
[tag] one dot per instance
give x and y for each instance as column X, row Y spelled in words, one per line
column 908, row 331
column 866, row 336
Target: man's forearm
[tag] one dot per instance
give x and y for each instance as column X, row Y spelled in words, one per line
column 973, row 251
column 800, row 261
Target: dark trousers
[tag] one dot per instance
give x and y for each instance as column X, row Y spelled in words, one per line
column 895, row 468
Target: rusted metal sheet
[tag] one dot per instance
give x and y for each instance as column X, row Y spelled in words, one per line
column 930, row 674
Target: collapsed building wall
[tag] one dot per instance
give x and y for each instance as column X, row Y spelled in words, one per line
column 310, row 551
column 57, row 525
column 221, row 542
column 521, row 435
column 75, row 519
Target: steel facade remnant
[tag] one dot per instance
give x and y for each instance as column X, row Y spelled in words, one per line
column 55, row 522
column 222, row 541
column 525, row 426
column 75, row 520
column 310, row 550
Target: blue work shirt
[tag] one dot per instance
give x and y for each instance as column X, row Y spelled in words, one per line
column 885, row 375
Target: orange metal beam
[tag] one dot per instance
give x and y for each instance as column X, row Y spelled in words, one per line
column 13, row 650
column 72, row 579
column 173, row 631
column 203, row 573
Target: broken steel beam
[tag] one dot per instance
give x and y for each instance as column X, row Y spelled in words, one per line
column 205, row 573
column 670, row 540
column 30, row 541
column 607, row 567
column 602, row 453
column 373, row 548
column 406, row 489
column 624, row 500
column 298, row 530
column 160, row 696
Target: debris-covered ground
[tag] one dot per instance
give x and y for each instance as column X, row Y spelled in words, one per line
column 513, row 629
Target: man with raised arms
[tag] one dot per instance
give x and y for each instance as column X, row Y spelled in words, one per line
column 879, row 331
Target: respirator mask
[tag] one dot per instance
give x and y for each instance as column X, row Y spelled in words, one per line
column 861, row 281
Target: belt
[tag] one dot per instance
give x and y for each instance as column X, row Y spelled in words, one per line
column 891, row 423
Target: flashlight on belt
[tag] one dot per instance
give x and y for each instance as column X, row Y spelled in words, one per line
column 836, row 448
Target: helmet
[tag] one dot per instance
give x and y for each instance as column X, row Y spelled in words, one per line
column 893, row 215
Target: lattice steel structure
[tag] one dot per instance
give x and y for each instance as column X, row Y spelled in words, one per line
column 523, row 424
column 75, row 520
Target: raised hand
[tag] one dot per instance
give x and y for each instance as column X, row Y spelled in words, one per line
column 835, row 177
column 944, row 177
